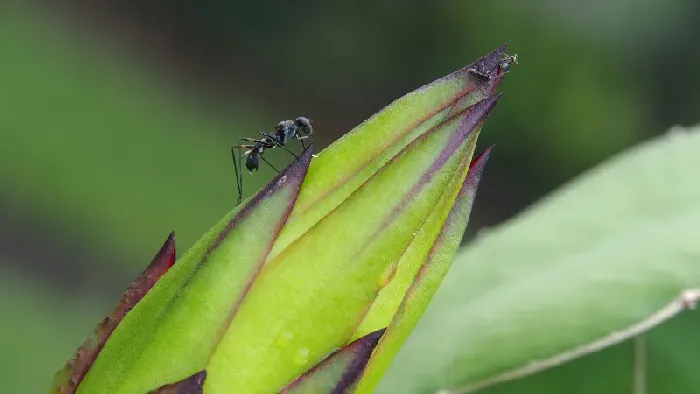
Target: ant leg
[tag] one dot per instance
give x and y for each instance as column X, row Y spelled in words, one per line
column 269, row 164
column 274, row 141
column 239, row 173
column 238, row 167
column 482, row 74
column 301, row 139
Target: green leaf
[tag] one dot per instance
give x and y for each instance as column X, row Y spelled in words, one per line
column 174, row 330
column 662, row 361
column 582, row 267
column 340, row 371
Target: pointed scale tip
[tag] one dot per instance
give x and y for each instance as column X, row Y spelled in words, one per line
column 352, row 360
column 293, row 176
column 69, row 378
column 364, row 348
column 488, row 71
column 488, row 104
column 479, row 112
column 374, row 337
column 190, row 385
column 476, row 170
column 295, row 172
column 489, row 63
column 481, row 159
column 167, row 252
column 163, row 260
column 491, row 101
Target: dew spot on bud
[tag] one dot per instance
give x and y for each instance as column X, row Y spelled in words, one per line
column 302, row 356
column 284, row 338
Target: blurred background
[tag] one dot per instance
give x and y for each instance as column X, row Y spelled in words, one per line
column 116, row 119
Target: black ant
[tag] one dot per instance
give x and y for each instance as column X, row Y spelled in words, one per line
column 285, row 131
column 506, row 62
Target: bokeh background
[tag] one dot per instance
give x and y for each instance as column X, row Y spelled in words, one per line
column 116, row 120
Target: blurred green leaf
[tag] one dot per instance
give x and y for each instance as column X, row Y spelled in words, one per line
column 665, row 362
column 602, row 254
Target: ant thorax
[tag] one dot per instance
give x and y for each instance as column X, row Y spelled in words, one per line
column 285, row 131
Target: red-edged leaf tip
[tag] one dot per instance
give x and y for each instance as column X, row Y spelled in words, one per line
column 480, row 159
column 476, row 167
column 365, row 346
column 70, row 376
column 168, row 249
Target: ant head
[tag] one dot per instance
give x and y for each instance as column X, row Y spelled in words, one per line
column 304, row 124
column 285, row 129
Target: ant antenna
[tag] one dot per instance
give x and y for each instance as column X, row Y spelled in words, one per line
column 272, row 138
column 270, row 164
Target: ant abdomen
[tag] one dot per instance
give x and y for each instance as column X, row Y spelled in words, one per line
column 252, row 161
